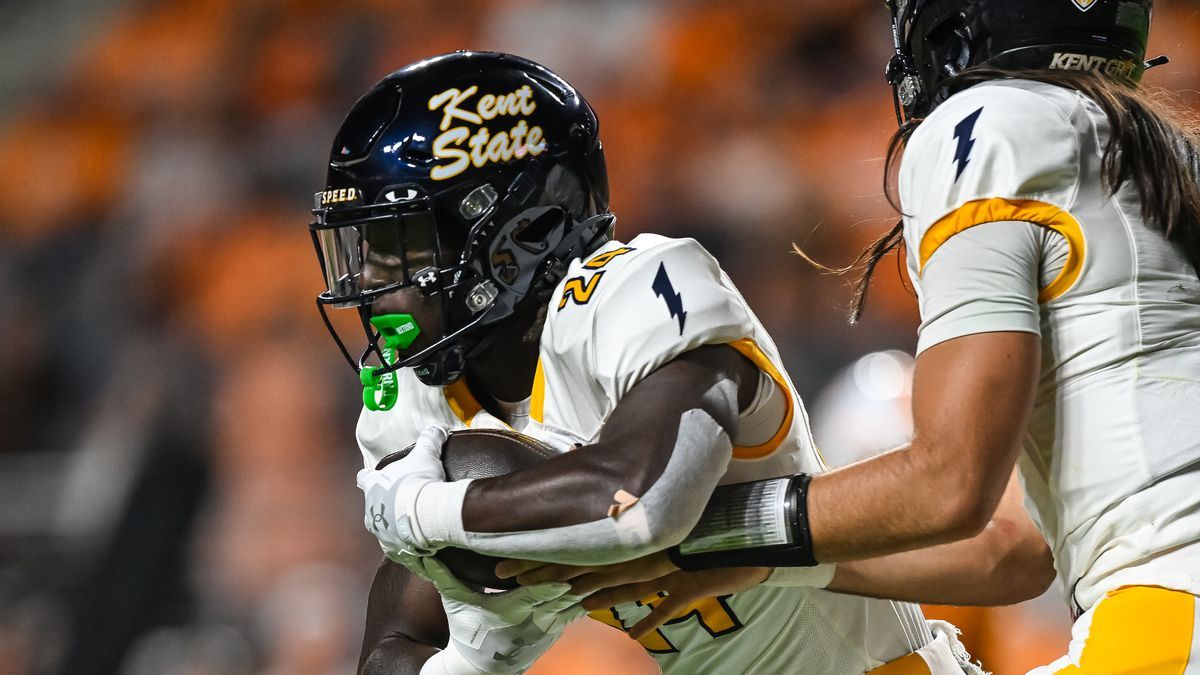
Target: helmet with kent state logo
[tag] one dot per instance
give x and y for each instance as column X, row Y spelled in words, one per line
column 938, row 39
column 475, row 177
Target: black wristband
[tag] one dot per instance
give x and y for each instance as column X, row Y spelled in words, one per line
column 757, row 524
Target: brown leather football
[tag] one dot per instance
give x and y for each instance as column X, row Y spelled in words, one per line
column 481, row 453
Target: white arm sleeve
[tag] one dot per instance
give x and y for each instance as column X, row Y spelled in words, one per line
column 986, row 279
column 660, row 518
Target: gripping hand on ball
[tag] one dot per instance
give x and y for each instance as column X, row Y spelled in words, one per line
column 391, row 498
column 497, row 633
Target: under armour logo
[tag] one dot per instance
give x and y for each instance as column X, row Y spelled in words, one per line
column 377, row 519
column 510, row 659
column 426, row 278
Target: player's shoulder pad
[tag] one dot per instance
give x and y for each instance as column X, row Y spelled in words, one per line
column 631, row 307
column 991, row 146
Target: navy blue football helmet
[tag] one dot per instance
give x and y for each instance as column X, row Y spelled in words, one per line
column 473, row 176
column 938, row 39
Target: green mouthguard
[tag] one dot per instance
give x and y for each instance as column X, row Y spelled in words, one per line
column 398, row 331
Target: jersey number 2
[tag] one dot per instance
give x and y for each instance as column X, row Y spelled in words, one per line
column 579, row 289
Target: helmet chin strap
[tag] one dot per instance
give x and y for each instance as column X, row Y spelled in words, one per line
column 397, row 331
column 444, row 367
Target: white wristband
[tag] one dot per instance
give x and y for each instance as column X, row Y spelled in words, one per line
column 808, row 577
column 439, row 512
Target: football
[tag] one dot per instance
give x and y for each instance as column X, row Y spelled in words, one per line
column 481, row 453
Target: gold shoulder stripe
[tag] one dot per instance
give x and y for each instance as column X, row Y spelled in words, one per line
column 750, row 349
column 998, row 210
column 461, row 401
column 537, row 399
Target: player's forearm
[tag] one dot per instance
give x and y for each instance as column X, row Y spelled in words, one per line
column 404, row 620
column 597, row 513
column 993, row 568
column 805, row 520
column 909, row 498
column 639, row 489
column 972, row 398
column 682, row 414
column 849, row 514
column 1005, row 563
column 570, row 489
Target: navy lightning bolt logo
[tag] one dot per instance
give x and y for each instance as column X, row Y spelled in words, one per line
column 663, row 289
column 964, row 132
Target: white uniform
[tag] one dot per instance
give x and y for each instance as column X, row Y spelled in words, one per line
column 1009, row 228
column 614, row 319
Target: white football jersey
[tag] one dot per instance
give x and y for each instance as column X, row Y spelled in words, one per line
column 615, row 318
column 1111, row 466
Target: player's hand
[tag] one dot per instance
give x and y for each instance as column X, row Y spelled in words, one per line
column 682, row 589
column 588, row 579
column 610, row 585
column 499, row 633
column 391, row 498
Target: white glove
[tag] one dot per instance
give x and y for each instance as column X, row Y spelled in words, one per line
column 391, row 498
column 946, row 632
column 497, row 633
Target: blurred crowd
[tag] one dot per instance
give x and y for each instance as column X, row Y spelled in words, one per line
column 176, row 452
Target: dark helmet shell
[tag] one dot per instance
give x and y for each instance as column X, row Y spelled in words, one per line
column 937, row 39
column 504, row 155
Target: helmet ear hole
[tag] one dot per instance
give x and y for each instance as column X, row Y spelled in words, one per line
column 417, row 151
column 943, row 45
column 579, row 135
column 532, row 234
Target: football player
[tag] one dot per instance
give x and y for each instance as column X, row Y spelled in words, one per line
column 1052, row 226
column 466, row 218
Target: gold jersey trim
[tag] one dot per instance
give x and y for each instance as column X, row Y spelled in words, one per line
column 461, row 401
column 537, row 399
column 1139, row 629
column 750, row 349
column 999, row 210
